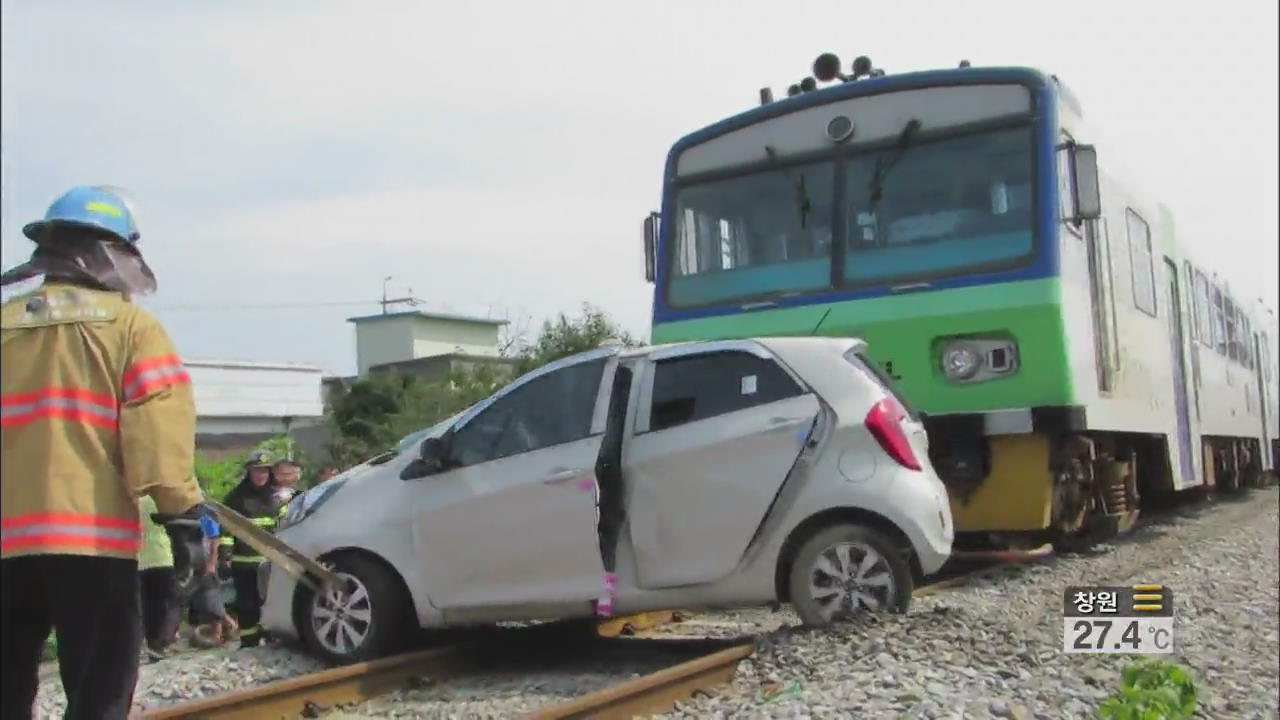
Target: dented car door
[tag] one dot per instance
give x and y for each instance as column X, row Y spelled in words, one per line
column 717, row 431
column 515, row 523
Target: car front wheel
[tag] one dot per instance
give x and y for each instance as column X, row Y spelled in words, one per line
column 845, row 570
column 366, row 622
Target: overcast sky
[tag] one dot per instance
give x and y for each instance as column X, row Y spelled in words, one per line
column 500, row 157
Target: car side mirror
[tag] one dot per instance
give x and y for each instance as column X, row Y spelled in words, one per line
column 1088, row 196
column 433, row 458
column 651, row 246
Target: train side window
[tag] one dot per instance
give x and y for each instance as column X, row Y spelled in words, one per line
column 1229, row 312
column 1188, row 280
column 1246, row 332
column 1266, row 357
column 1246, row 341
column 1140, row 255
column 1219, row 324
column 1203, row 314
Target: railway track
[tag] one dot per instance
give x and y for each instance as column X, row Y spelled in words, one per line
column 688, row 664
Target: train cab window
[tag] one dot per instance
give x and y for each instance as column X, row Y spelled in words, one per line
column 1140, row 255
column 1203, row 312
column 1219, row 324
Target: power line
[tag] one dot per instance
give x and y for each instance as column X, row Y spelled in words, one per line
column 259, row 306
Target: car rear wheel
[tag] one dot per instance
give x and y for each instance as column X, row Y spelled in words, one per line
column 369, row 621
column 846, row 570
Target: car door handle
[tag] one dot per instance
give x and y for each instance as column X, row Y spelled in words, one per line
column 777, row 421
column 560, row 476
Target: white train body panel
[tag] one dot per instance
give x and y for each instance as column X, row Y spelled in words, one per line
column 1227, row 394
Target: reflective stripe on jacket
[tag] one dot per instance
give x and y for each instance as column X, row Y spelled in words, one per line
column 96, row 410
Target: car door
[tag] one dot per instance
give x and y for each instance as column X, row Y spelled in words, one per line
column 516, row 522
column 717, row 430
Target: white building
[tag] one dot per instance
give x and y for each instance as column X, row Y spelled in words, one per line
column 236, row 397
column 401, row 336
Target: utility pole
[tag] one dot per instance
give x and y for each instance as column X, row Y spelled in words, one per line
column 392, row 301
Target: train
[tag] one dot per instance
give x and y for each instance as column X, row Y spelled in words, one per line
column 1073, row 356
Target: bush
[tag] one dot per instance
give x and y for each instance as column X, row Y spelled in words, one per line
column 1152, row 690
column 217, row 478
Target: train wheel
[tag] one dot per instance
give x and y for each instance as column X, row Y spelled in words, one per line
column 1072, row 485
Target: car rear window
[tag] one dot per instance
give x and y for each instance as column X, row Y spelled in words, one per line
column 884, row 381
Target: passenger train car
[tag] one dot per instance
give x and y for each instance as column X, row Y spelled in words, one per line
column 1071, row 353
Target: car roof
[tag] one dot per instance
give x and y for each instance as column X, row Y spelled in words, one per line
column 781, row 344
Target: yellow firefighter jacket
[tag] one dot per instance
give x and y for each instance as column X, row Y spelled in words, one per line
column 96, row 410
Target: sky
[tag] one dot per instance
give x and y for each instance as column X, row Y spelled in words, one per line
column 498, row 158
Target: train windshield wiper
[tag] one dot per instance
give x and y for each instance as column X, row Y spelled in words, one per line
column 802, row 195
column 882, row 168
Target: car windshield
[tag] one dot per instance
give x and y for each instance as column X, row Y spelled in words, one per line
column 915, row 212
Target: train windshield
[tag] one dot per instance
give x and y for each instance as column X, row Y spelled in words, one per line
column 913, row 212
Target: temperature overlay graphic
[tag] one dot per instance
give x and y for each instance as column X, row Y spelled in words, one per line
column 1125, row 619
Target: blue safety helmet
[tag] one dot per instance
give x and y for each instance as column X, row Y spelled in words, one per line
column 98, row 207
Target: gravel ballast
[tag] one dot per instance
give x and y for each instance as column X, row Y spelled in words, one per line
column 993, row 649
column 194, row 675
column 990, row 649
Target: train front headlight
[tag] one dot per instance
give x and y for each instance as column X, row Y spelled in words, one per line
column 961, row 362
column 977, row 359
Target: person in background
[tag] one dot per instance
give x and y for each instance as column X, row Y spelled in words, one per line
column 287, row 474
column 161, row 611
column 326, row 474
column 255, row 498
column 98, row 411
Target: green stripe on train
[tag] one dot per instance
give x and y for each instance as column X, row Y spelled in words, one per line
column 901, row 330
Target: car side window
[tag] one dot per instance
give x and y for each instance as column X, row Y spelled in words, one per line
column 553, row 409
column 697, row 387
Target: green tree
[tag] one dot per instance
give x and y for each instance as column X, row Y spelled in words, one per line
column 565, row 337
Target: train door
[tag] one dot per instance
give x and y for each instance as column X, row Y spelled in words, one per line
column 1177, row 360
column 1101, row 300
column 1262, row 397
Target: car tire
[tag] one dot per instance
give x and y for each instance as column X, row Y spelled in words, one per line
column 372, row 622
column 888, row 580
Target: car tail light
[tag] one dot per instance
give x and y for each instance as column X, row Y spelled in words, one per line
column 884, row 420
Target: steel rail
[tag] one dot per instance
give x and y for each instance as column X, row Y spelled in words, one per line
column 307, row 695
column 655, row 692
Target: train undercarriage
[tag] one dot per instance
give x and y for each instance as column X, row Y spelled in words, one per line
column 1070, row 488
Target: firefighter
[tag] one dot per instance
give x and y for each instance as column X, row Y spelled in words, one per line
column 97, row 411
column 255, row 498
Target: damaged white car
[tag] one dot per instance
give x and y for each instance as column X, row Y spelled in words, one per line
column 694, row 475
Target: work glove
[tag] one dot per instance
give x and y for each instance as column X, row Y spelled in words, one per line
column 187, row 534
